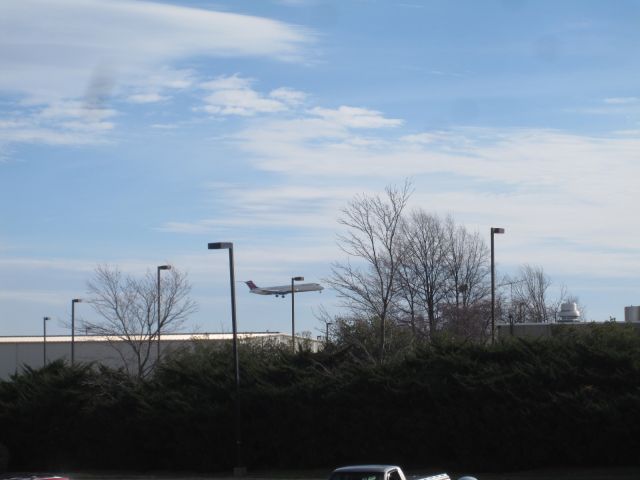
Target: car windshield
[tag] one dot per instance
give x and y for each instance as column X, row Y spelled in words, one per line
column 357, row 476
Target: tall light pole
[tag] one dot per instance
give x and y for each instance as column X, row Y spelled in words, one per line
column 494, row 230
column 239, row 469
column 44, row 341
column 73, row 329
column 293, row 311
column 160, row 267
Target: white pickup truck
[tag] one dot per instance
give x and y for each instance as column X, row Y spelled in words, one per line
column 381, row 472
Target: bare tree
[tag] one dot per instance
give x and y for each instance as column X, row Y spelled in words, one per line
column 426, row 251
column 408, row 307
column 127, row 307
column 467, row 264
column 373, row 241
column 531, row 295
column 466, row 314
column 443, row 278
column 418, row 272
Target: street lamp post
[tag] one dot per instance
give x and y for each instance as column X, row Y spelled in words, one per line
column 239, row 469
column 160, row 267
column 293, row 311
column 44, row 341
column 73, row 329
column 494, row 230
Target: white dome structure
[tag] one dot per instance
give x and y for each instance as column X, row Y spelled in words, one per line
column 569, row 313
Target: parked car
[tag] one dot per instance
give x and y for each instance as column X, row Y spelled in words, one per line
column 31, row 476
column 381, row 472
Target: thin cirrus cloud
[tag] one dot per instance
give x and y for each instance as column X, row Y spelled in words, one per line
column 125, row 39
column 159, row 86
column 289, row 96
column 77, row 55
column 354, row 117
column 333, row 145
column 611, row 106
column 301, row 207
column 151, row 97
column 553, row 179
column 622, row 100
column 558, row 184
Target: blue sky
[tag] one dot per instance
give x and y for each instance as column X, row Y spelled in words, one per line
column 134, row 133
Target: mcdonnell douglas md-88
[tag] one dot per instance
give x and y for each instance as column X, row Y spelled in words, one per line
column 282, row 290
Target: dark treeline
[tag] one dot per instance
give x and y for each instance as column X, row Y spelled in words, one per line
column 574, row 399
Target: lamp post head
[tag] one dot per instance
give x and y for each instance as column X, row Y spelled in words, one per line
column 297, row 279
column 220, row 245
column 497, row 230
column 46, row 318
column 76, row 300
column 164, row 267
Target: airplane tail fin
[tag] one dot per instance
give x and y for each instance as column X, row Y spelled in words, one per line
column 251, row 285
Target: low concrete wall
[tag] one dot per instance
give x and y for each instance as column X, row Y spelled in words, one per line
column 545, row 330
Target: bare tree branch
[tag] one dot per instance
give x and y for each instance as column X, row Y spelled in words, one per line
column 373, row 239
column 127, row 308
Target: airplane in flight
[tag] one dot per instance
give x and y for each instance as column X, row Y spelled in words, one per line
column 282, row 290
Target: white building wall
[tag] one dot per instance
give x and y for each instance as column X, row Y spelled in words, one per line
column 18, row 352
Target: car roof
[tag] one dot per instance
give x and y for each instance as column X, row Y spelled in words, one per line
column 367, row 468
column 30, row 476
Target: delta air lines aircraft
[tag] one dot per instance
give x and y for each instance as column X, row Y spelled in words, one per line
column 282, row 290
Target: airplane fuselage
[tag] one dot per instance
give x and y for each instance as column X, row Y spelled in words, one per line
column 282, row 290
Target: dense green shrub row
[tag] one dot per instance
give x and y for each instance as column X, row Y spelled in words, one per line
column 568, row 400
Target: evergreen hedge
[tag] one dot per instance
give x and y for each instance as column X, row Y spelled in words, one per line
column 569, row 400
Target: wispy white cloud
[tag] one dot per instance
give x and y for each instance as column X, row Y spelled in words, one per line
column 59, row 123
column 50, row 136
column 622, row 100
column 288, row 96
column 75, row 109
column 305, row 207
column 47, row 297
column 627, row 133
column 55, row 53
column 354, row 117
column 159, row 85
column 151, row 97
column 47, row 264
column 541, row 183
column 611, row 106
column 71, row 58
column 228, row 82
column 233, row 95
